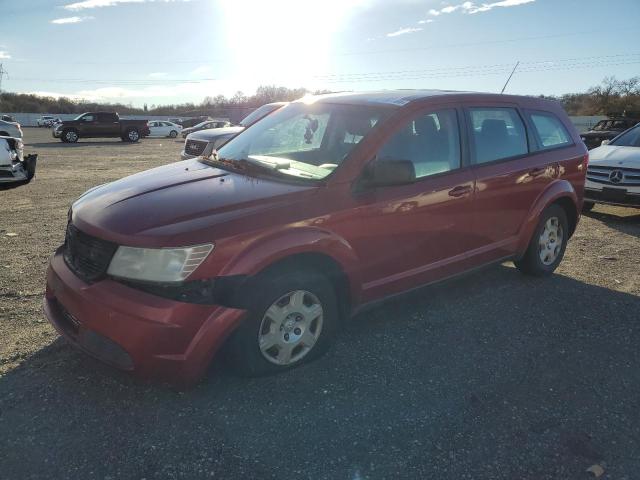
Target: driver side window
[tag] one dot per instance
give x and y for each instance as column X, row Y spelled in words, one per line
column 431, row 142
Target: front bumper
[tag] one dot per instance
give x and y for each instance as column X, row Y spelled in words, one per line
column 153, row 337
column 19, row 172
column 611, row 195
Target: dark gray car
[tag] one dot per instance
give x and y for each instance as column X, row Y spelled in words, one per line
column 203, row 142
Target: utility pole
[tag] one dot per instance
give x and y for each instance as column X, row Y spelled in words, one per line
column 508, row 79
column 3, row 72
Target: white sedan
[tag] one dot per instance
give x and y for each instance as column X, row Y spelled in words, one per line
column 613, row 175
column 163, row 128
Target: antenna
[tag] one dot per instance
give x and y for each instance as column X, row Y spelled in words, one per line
column 508, row 79
column 3, row 72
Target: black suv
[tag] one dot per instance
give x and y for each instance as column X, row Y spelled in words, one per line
column 607, row 130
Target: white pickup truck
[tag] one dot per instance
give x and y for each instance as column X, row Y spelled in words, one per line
column 15, row 168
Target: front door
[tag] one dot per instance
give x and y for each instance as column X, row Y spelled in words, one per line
column 408, row 235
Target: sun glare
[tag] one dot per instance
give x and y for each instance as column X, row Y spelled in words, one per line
column 285, row 41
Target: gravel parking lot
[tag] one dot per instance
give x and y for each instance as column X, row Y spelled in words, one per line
column 495, row 376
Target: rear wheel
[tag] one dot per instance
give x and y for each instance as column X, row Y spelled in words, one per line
column 173, row 134
column 548, row 243
column 292, row 319
column 131, row 135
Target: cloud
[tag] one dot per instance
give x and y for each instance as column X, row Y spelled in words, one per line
column 403, row 31
column 87, row 4
column 473, row 7
column 158, row 74
column 428, row 20
column 62, row 21
column 4, row 55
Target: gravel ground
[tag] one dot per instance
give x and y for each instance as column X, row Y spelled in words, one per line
column 494, row 376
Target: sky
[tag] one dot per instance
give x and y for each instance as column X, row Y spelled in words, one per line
column 173, row 51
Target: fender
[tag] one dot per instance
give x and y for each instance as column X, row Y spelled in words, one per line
column 279, row 245
column 554, row 191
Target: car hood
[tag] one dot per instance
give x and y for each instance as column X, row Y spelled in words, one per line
column 183, row 203
column 213, row 133
column 614, row 155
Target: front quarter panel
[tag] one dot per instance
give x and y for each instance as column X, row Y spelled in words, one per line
column 252, row 257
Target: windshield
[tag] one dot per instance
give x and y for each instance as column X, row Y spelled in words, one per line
column 630, row 138
column 258, row 113
column 80, row 116
column 303, row 141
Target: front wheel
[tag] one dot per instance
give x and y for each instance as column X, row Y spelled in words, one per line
column 548, row 243
column 173, row 134
column 69, row 136
column 292, row 319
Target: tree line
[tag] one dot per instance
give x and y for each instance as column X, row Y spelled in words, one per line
column 612, row 96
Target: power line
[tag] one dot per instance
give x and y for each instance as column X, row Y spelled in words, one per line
column 442, row 72
column 435, row 46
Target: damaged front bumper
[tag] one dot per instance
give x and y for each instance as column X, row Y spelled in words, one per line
column 19, row 171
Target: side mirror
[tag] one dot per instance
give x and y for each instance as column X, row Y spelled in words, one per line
column 605, row 142
column 388, row 172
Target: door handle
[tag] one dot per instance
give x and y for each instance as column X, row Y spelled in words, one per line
column 460, row 191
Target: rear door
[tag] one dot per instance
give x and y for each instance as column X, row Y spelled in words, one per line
column 510, row 175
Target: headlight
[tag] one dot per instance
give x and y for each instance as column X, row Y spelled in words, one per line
column 157, row 264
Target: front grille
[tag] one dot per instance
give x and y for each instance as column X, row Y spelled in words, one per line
column 618, row 176
column 194, row 147
column 87, row 256
column 6, row 174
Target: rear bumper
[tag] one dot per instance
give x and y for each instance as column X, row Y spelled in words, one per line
column 153, row 337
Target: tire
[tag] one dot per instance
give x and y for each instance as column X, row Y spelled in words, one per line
column 69, row 136
column 588, row 206
column 288, row 333
column 173, row 134
column 546, row 248
column 131, row 135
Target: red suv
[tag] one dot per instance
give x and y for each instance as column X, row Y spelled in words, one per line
column 328, row 204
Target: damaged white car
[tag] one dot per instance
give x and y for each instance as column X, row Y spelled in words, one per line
column 15, row 168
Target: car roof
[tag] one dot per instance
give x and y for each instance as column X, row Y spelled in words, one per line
column 400, row 98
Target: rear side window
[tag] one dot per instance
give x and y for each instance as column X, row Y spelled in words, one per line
column 497, row 133
column 550, row 131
